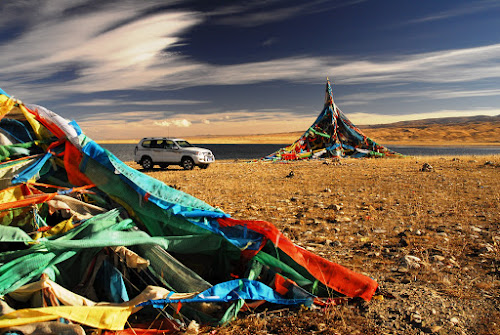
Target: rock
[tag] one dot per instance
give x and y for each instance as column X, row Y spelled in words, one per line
column 437, row 258
column 311, row 221
column 435, row 329
column 403, row 242
column 334, row 207
column 335, row 244
column 290, row 175
column 416, row 317
column 475, row 229
column 440, row 229
column 454, row 320
column 426, row 168
column 486, row 248
column 412, row 262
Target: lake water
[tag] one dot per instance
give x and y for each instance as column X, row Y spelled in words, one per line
column 125, row 152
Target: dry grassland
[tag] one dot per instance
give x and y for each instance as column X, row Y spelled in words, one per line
column 370, row 215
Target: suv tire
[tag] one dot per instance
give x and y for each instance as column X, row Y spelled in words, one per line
column 147, row 163
column 187, row 163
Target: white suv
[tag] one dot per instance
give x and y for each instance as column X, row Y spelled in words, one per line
column 171, row 151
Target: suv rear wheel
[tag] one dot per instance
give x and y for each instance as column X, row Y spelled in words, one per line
column 147, row 163
column 187, row 163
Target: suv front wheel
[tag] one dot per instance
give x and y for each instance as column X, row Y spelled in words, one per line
column 147, row 163
column 187, row 163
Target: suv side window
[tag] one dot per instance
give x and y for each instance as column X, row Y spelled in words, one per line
column 156, row 144
column 168, row 144
column 146, row 144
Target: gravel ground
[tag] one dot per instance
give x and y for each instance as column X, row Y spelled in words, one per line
column 426, row 228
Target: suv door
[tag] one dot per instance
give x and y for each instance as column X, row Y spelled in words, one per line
column 170, row 155
column 156, row 151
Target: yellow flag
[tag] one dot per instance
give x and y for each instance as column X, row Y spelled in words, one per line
column 101, row 317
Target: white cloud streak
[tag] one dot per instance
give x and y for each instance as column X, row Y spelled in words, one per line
column 258, row 13
column 467, row 9
column 128, row 102
column 437, row 94
column 183, row 123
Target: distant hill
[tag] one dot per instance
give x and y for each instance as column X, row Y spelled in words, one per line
column 474, row 130
column 441, row 121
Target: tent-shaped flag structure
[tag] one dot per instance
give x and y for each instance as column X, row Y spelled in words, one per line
column 89, row 240
column 331, row 135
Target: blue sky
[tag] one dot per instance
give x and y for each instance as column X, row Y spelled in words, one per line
column 128, row 69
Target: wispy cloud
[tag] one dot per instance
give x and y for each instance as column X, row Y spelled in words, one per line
column 128, row 102
column 110, row 49
column 124, row 116
column 434, row 94
column 449, row 66
column 257, row 13
column 460, row 10
column 270, row 41
column 182, row 123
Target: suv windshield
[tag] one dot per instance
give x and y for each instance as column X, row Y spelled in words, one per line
column 184, row 144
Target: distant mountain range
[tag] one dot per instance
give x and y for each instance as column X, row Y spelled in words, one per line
column 457, row 131
column 473, row 130
column 437, row 121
